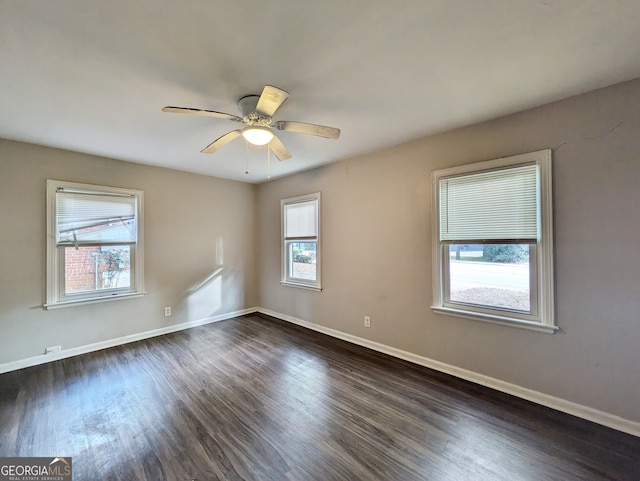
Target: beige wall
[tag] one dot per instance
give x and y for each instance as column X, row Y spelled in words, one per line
column 376, row 228
column 376, row 250
column 194, row 225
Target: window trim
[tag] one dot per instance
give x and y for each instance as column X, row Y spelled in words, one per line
column 55, row 298
column 285, row 280
column 544, row 321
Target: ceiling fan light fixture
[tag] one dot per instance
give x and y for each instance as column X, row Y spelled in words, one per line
column 257, row 115
column 257, row 135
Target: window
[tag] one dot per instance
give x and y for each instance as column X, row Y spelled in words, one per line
column 94, row 243
column 301, row 241
column 493, row 241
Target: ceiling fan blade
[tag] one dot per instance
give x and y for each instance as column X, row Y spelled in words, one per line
column 207, row 113
column 271, row 99
column 221, row 142
column 304, row 128
column 279, row 149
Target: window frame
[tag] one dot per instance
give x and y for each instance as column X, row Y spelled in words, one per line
column 542, row 316
column 286, row 279
column 55, row 267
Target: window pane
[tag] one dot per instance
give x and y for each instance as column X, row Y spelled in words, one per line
column 490, row 275
column 302, row 260
column 96, row 268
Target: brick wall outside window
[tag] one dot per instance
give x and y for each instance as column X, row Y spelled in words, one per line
column 80, row 269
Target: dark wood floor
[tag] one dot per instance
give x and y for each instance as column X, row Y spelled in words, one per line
column 254, row 398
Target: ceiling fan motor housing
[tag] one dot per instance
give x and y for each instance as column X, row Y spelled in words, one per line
column 248, row 105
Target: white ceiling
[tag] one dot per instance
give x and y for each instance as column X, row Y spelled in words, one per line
column 92, row 75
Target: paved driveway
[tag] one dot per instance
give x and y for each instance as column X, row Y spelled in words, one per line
column 467, row 275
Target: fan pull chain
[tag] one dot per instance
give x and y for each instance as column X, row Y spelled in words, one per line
column 246, row 169
column 269, row 160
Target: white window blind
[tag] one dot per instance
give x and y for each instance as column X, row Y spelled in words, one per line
column 301, row 220
column 86, row 217
column 499, row 205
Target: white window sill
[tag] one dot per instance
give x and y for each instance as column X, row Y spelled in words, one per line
column 502, row 320
column 91, row 300
column 310, row 287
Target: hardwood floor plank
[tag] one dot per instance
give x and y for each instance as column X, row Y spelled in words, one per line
column 254, row 398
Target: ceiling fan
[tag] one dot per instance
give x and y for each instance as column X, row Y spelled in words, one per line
column 257, row 115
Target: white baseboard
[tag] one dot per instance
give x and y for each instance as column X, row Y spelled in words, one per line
column 75, row 351
column 569, row 407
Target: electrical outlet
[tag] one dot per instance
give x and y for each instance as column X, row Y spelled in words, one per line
column 367, row 321
column 167, row 311
column 49, row 350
